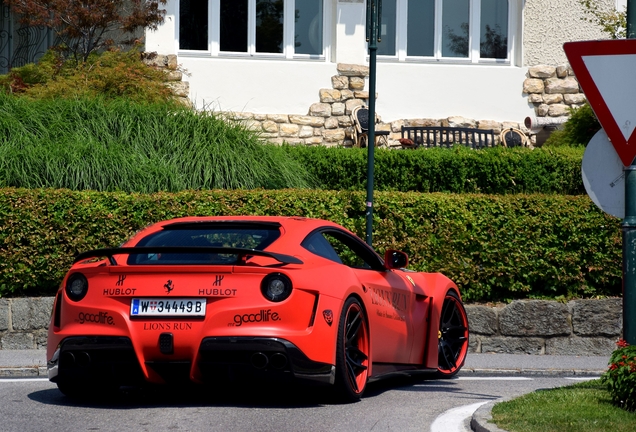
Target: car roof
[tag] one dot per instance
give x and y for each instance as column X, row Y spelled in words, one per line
column 294, row 228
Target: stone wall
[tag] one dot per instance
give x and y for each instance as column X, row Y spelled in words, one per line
column 24, row 322
column 173, row 74
column 328, row 121
column 580, row 327
column 553, row 90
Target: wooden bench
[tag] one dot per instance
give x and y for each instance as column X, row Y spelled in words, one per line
column 438, row 136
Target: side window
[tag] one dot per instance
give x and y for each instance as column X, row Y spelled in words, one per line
column 340, row 248
column 347, row 255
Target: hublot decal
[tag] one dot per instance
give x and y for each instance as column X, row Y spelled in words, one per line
column 218, row 292
column 119, row 291
column 120, row 280
column 218, row 280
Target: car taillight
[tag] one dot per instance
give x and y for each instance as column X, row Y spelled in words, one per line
column 276, row 287
column 76, row 286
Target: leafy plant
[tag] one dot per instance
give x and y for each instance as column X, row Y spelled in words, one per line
column 495, row 247
column 109, row 75
column 611, row 21
column 458, row 170
column 111, row 145
column 86, row 26
column 578, row 130
column 621, row 376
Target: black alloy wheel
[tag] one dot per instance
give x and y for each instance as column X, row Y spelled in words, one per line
column 352, row 352
column 452, row 336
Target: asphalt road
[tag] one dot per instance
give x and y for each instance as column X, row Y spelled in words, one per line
column 396, row 404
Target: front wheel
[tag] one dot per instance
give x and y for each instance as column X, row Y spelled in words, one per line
column 352, row 352
column 452, row 336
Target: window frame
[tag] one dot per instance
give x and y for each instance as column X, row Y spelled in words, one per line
column 214, row 29
column 474, row 39
column 358, row 247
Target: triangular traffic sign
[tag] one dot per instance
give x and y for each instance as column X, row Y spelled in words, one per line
column 606, row 71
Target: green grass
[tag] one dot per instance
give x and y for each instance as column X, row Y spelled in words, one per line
column 578, row 408
column 93, row 144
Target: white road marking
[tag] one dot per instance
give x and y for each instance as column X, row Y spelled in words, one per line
column 453, row 419
column 6, row 380
column 583, row 378
column 494, row 378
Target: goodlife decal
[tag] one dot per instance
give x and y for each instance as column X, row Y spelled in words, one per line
column 97, row 318
column 262, row 316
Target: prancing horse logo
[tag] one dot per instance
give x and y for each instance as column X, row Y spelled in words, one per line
column 169, row 287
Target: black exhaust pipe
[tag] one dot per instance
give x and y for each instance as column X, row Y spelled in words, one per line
column 259, row 360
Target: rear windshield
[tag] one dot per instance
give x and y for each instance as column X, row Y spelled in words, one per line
column 217, row 234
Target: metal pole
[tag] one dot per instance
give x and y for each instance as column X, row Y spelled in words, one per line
column 629, row 257
column 629, row 224
column 373, row 17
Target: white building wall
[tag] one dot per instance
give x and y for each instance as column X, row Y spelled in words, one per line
column 406, row 90
column 164, row 39
column 548, row 24
column 439, row 91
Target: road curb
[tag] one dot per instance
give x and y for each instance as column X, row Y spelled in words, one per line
column 531, row 372
column 480, row 422
column 23, row 372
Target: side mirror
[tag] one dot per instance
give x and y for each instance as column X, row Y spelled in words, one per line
column 395, row 259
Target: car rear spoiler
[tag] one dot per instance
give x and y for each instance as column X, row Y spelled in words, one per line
column 241, row 252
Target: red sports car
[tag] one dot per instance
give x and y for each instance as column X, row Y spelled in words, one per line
column 211, row 299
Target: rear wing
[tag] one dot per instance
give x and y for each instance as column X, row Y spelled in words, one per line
column 241, row 252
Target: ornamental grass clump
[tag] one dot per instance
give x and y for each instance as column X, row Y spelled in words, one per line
column 621, row 376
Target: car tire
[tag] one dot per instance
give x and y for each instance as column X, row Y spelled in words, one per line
column 352, row 352
column 452, row 336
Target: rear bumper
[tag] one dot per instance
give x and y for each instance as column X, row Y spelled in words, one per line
column 112, row 359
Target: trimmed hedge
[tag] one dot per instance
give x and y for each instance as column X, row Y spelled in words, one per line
column 459, row 170
column 494, row 246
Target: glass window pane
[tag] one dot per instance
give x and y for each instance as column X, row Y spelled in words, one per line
column 420, row 39
column 233, row 34
column 494, row 29
column 308, row 27
column 455, row 15
column 193, row 25
column 269, row 26
column 387, row 32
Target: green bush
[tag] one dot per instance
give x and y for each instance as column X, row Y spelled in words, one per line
column 577, row 131
column 621, row 376
column 110, row 145
column 108, row 75
column 458, row 170
column 496, row 247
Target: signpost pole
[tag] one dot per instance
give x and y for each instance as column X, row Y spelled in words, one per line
column 629, row 224
column 374, row 12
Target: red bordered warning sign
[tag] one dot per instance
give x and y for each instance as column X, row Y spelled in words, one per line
column 606, row 71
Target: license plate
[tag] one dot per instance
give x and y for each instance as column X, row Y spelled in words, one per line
column 167, row 307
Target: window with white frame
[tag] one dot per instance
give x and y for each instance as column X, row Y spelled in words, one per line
column 286, row 28
column 465, row 30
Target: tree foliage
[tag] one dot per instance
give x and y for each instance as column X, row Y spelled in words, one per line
column 611, row 21
column 82, row 27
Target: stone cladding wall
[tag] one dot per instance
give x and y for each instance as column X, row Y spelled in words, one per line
column 553, row 90
column 173, row 74
column 24, row 322
column 579, row 327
